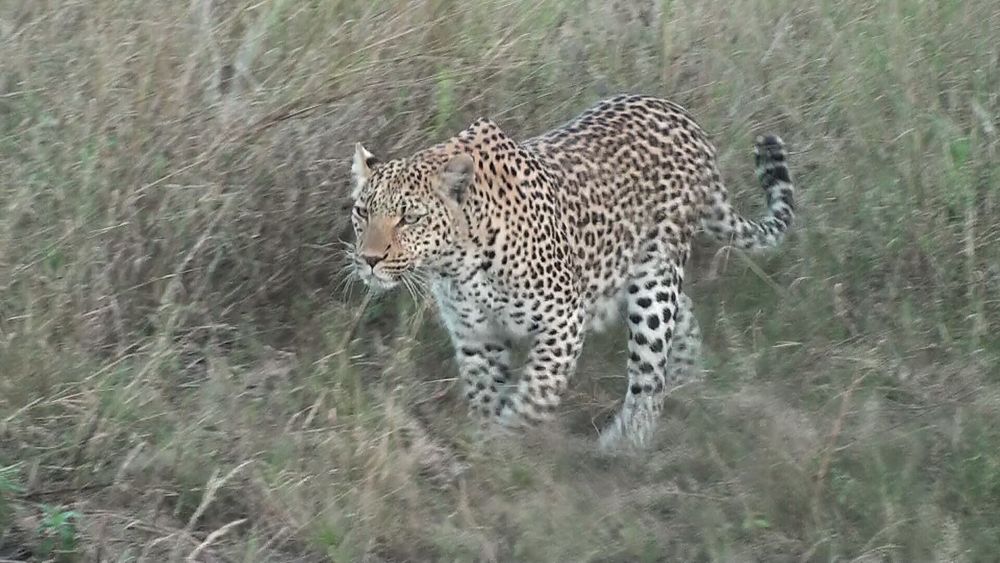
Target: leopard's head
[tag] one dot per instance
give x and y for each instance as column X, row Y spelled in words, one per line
column 407, row 213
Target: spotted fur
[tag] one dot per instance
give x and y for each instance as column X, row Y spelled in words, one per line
column 542, row 239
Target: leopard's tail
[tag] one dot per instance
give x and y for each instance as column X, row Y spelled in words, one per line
column 726, row 225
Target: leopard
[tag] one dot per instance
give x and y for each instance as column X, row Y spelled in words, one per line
column 546, row 240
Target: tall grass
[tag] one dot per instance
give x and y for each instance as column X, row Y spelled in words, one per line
column 183, row 372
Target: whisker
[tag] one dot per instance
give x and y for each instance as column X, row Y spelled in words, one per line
column 349, row 274
column 346, row 280
column 411, row 287
column 417, row 283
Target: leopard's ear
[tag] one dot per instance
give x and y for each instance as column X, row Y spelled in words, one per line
column 361, row 168
column 456, row 175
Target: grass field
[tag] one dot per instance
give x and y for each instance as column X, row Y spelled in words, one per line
column 184, row 374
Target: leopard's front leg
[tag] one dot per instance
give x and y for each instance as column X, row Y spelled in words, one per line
column 551, row 362
column 484, row 369
column 482, row 350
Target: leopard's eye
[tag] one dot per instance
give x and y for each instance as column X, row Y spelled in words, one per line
column 411, row 216
column 361, row 212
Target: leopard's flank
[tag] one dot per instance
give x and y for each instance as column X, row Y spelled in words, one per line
column 543, row 239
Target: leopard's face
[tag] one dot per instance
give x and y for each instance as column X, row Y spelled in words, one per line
column 403, row 222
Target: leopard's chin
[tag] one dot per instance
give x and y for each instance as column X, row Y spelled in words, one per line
column 379, row 282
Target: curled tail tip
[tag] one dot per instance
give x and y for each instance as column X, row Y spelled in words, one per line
column 774, row 177
column 770, row 157
column 769, row 147
column 769, row 141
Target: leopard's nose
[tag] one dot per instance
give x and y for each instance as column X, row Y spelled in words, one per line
column 372, row 259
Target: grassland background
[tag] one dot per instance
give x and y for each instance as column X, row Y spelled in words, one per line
column 183, row 373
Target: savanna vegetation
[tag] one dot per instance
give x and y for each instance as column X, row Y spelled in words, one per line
column 186, row 375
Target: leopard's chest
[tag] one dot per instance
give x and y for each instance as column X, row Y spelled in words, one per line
column 482, row 303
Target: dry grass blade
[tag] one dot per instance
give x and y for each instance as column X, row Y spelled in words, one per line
column 211, row 488
column 212, row 538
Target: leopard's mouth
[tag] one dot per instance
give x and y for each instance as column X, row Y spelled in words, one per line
column 377, row 277
column 380, row 283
